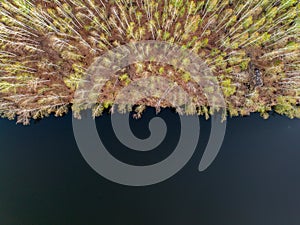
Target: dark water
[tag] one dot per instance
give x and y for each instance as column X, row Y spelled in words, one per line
column 254, row 181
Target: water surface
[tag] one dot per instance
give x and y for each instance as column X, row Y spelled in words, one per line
column 254, row 180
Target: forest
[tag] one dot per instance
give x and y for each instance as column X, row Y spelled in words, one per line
column 252, row 47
